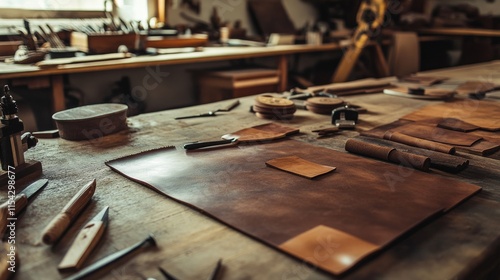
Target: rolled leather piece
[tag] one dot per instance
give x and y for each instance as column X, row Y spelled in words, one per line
column 418, row 142
column 440, row 161
column 410, row 160
column 388, row 154
column 368, row 149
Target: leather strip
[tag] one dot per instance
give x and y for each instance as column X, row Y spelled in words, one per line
column 481, row 113
column 417, row 142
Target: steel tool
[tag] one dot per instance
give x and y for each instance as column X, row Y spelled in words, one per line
column 12, row 208
column 54, row 230
column 215, row 273
column 149, row 241
column 85, row 242
column 212, row 113
column 167, row 275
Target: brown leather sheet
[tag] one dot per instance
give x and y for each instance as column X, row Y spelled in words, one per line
column 368, row 202
column 481, row 113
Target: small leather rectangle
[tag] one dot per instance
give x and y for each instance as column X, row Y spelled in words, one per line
column 299, row 166
column 329, row 248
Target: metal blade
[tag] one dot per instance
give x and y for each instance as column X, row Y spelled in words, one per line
column 35, row 187
column 102, row 216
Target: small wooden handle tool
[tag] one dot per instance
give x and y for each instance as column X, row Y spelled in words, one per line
column 85, row 242
column 54, row 230
column 21, row 201
column 12, row 207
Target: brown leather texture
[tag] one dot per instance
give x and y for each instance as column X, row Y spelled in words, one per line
column 322, row 242
column 373, row 201
column 456, row 124
column 389, row 154
column 438, row 160
column 299, row 166
column 438, row 134
column 418, row 142
column 481, row 113
column 480, row 142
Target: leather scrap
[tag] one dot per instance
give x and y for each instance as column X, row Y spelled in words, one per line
column 233, row 186
column 482, row 113
column 299, row 166
column 457, row 125
column 321, row 241
column 437, row 134
column 418, row 142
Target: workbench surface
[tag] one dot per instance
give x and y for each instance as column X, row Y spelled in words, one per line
column 463, row 242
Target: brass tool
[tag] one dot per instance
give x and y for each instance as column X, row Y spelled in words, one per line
column 85, row 242
column 370, row 18
column 149, row 241
column 12, row 208
column 54, row 230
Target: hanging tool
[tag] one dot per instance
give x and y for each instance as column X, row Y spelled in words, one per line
column 212, row 113
column 11, row 208
column 85, row 242
column 149, row 241
column 12, row 143
column 370, row 18
column 54, row 230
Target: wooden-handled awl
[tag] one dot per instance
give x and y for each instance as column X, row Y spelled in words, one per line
column 54, row 230
column 85, row 242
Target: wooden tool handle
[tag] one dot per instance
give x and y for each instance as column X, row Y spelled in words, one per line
column 5, row 273
column 21, row 201
column 82, row 246
column 56, row 228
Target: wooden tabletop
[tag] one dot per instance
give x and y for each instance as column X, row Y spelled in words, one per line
column 190, row 243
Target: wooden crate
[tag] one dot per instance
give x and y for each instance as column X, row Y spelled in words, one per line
column 226, row 84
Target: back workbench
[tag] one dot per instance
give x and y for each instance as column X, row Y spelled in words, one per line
column 463, row 243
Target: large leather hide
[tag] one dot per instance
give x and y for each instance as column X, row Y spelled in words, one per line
column 368, row 203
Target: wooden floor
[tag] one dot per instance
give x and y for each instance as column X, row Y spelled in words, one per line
column 463, row 241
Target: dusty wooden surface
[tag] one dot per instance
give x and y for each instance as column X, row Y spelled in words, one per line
column 189, row 243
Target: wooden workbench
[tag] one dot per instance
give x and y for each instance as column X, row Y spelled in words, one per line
column 465, row 240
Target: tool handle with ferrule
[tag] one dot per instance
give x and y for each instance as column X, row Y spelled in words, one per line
column 54, row 230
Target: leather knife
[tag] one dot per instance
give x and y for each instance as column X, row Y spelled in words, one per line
column 54, row 230
column 85, row 242
column 13, row 207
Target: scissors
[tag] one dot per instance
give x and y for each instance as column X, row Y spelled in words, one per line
column 212, row 113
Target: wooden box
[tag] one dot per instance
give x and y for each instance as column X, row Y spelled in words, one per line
column 227, row 84
column 176, row 42
column 107, row 42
